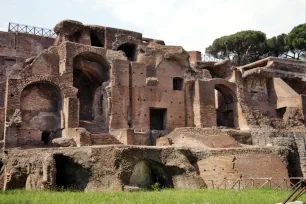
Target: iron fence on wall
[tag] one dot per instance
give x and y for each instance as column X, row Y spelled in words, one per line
column 20, row 28
column 210, row 58
column 240, row 184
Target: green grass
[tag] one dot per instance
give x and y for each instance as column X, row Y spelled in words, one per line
column 256, row 196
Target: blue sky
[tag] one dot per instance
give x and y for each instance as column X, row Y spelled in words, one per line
column 194, row 24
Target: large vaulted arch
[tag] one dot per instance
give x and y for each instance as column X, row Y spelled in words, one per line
column 90, row 74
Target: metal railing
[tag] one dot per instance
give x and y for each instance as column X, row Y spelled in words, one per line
column 20, row 28
column 240, row 184
column 210, row 58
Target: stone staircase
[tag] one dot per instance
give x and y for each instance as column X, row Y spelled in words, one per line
column 99, row 136
column 103, row 139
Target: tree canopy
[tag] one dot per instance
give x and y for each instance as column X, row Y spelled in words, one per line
column 296, row 41
column 249, row 46
column 276, row 46
column 242, row 47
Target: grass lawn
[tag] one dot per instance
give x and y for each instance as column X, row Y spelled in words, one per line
column 258, row 196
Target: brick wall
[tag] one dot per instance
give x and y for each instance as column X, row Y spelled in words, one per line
column 22, row 45
column 161, row 96
column 242, row 164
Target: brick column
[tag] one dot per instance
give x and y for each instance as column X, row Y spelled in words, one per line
column 71, row 112
column 204, row 105
column 195, row 56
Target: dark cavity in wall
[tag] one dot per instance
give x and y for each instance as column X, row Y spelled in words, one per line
column 45, row 137
column 18, row 179
column 158, row 118
column 294, row 165
column 280, row 112
column 129, row 49
column 95, row 41
column 69, row 174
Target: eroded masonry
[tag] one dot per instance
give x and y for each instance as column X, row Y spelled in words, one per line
column 100, row 108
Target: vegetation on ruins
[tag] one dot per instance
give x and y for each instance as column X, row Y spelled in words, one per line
column 252, row 196
column 249, row 46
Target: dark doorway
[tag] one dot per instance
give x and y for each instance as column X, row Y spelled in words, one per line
column 129, row 49
column 224, row 110
column 45, row 137
column 158, row 119
column 69, row 174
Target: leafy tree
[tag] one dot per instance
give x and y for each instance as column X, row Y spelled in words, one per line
column 242, row 47
column 249, row 46
column 296, row 42
column 276, row 46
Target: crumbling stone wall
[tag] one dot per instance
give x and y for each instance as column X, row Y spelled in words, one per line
column 98, row 85
column 107, row 168
column 115, row 168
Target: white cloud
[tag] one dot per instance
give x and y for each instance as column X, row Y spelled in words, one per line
column 194, row 24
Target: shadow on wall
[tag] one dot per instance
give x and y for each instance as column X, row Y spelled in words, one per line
column 294, row 165
column 148, row 173
column 69, row 174
column 1, row 175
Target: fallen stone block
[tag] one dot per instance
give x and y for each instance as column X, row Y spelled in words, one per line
column 64, row 142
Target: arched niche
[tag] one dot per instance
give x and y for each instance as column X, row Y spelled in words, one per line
column 90, row 70
column 148, row 173
column 40, row 106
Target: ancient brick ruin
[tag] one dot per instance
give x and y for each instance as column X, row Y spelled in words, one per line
column 100, row 108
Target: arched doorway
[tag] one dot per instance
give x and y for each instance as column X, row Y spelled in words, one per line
column 226, row 107
column 90, row 71
column 40, row 106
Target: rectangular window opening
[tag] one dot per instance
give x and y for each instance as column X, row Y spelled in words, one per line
column 178, row 83
column 45, row 137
